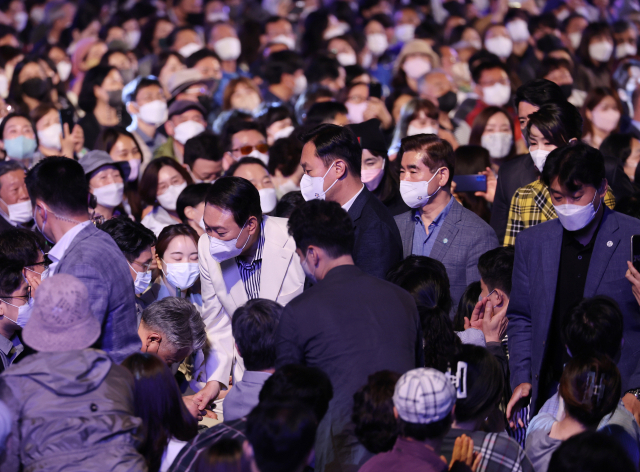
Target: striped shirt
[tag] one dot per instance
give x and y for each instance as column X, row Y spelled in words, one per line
column 250, row 272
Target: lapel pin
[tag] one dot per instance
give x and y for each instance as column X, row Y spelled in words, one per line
column 445, row 240
column 609, row 243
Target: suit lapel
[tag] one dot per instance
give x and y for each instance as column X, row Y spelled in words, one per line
column 356, row 208
column 232, row 279
column 606, row 243
column 447, row 232
column 275, row 261
column 406, row 226
column 81, row 236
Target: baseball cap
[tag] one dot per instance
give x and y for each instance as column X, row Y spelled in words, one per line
column 424, row 396
column 370, row 136
column 181, row 106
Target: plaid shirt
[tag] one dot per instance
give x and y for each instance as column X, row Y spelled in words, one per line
column 499, row 452
column 531, row 205
column 187, row 457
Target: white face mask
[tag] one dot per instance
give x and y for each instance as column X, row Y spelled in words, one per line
column 312, row 187
column 260, row 155
column 286, row 40
column 154, row 113
column 347, row 59
column 539, row 158
column 109, row 196
column 64, row 70
column 143, row 279
column 134, row 166
column 601, row 51
column 496, row 95
column 4, row 86
column 377, row 43
column 170, row 196
column 288, row 186
column 201, row 223
column 337, row 29
column 626, row 49
column 575, row 217
column 518, row 30
column 356, row 111
column 132, row 38
column 416, row 194
column 500, row 46
column 498, row 144
column 187, row 130
column 182, row 275
column 50, row 137
column 224, row 250
column 574, row 39
column 24, row 313
column 20, row 212
column 20, row 20
column 416, row 67
column 413, row 130
column 268, row 199
column 283, row 133
column 405, row 33
column 228, row 49
column 188, row 49
column 300, row 84
column 606, row 120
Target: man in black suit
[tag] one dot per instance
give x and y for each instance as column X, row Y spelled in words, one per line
column 522, row 170
column 331, row 159
column 349, row 324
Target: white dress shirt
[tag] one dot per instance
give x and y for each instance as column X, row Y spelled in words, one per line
column 347, row 205
column 157, row 220
column 58, row 251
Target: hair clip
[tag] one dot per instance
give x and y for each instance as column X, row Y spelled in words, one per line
column 592, row 389
column 459, row 381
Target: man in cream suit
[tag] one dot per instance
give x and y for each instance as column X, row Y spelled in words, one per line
column 243, row 255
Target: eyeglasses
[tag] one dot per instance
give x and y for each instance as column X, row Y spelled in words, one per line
column 145, row 267
column 21, row 297
column 246, row 150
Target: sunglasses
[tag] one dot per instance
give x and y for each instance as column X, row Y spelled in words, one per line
column 245, row 150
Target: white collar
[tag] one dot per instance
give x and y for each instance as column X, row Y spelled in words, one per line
column 58, row 251
column 348, row 205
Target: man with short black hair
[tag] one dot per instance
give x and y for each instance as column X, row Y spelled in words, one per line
column 244, row 138
column 254, row 330
column 59, row 193
column 349, row 324
column 186, row 120
column 423, row 403
column 15, row 310
column 332, row 161
column 583, row 253
column 331, row 112
column 149, row 105
column 172, row 329
column 244, row 255
column 326, row 71
column 25, row 247
column 15, row 206
column 280, row 436
column 284, row 73
column 202, row 157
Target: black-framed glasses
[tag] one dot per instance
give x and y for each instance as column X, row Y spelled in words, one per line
column 21, row 297
column 145, row 267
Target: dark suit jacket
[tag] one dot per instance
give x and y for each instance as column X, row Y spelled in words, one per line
column 96, row 260
column 512, row 175
column 535, row 275
column 462, row 239
column 5, row 225
column 378, row 245
column 350, row 325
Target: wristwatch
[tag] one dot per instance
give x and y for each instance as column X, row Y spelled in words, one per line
column 635, row 392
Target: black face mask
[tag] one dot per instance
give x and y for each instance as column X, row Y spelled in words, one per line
column 195, row 19
column 36, row 88
column 115, row 98
column 567, row 90
column 448, row 101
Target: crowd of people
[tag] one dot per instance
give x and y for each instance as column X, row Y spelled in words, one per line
column 292, row 236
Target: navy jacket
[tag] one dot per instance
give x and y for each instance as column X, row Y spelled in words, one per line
column 535, row 276
column 378, row 245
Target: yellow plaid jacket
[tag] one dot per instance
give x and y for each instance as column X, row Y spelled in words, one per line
column 531, row 205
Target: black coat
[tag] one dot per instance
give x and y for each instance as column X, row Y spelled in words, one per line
column 512, row 175
column 378, row 245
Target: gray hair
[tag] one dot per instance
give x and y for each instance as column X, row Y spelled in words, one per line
column 9, row 166
column 178, row 320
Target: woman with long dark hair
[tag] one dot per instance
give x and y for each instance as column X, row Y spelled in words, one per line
column 158, row 402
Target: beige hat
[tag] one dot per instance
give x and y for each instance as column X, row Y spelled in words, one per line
column 61, row 319
column 183, row 77
column 417, row 46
